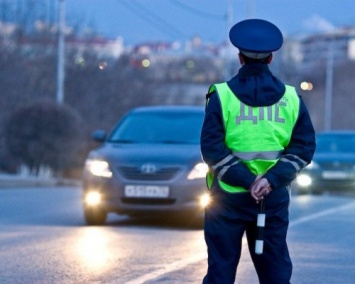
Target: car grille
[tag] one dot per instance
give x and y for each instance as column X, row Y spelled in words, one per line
column 134, row 173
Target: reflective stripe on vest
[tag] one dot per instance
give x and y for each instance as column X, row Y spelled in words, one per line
column 256, row 135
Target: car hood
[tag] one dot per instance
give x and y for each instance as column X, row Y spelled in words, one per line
column 144, row 153
column 345, row 157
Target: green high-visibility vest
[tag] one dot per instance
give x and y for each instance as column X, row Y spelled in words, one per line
column 256, row 135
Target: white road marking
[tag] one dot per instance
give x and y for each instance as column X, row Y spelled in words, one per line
column 321, row 214
column 203, row 256
column 169, row 268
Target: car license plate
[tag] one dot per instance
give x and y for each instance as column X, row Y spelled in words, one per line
column 146, row 191
column 335, row 175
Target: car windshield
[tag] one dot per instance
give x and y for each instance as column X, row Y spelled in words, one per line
column 162, row 127
column 336, row 144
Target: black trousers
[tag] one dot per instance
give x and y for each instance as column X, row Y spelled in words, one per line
column 227, row 219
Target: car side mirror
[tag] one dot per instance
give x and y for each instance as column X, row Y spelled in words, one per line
column 99, row 135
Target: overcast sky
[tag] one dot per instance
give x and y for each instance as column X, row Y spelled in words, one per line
column 139, row 21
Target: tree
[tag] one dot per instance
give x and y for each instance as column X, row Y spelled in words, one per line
column 44, row 134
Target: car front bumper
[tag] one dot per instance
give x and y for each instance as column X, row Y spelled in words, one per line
column 183, row 196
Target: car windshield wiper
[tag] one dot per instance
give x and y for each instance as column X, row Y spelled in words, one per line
column 124, row 141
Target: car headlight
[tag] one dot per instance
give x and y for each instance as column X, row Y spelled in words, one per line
column 92, row 198
column 199, row 171
column 312, row 166
column 98, row 168
column 304, row 180
column 205, row 200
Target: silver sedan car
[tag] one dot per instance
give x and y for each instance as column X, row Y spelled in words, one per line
column 150, row 164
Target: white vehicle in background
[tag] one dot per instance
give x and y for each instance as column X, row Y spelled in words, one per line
column 333, row 165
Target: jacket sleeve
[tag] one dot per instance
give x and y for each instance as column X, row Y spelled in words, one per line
column 297, row 155
column 215, row 154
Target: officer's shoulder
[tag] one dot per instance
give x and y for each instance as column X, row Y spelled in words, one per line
column 210, row 93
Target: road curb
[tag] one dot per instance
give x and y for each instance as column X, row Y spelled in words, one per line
column 9, row 181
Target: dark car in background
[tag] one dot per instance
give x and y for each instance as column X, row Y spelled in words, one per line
column 149, row 164
column 333, row 165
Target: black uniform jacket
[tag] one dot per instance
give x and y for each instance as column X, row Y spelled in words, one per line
column 255, row 85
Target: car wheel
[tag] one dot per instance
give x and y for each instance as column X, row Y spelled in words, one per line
column 94, row 216
column 194, row 220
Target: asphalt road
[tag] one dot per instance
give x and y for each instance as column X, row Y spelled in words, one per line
column 43, row 239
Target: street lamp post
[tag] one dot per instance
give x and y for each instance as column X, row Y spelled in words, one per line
column 60, row 62
column 329, row 88
column 229, row 48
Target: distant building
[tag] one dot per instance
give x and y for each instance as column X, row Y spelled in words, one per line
column 44, row 39
column 101, row 46
column 309, row 50
column 194, row 47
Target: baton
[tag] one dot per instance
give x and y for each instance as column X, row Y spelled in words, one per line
column 259, row 243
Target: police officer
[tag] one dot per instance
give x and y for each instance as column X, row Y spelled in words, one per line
column 256, row 137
